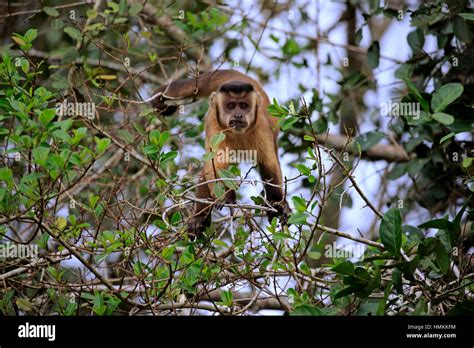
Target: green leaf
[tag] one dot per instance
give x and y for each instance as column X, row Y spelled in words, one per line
column 135, row 9
column 28, row 179
column 40, row 155
column 437, row 223
column 445, row 95
column 92, row 13
column 288, row 122
column 347, row 291
column 298, row 219
column 126, row 135
column 291, row 48
column 219, row 190
column 442, row 257
column 397, row 280
column 466, row 163
column 358, row 36
column 168, row 252
column 276, row 109
column 175, row 218
column 19, row 40
column 468, row 16
column 31, row 34
column 73, row 33
column 461, row 29
column 368, row 140
column 415, row 166
column 416, row 40
column 306, row 310
column 61, row 223
column 391, row 231
column 43, row 241
column 216, row 140
column 146, row 112
column 24, row 304
column 303, row 169
column 443, row 118
column 208, row 156
column 52, row 12
column 102, row 144
column 122, row 7
column 224, row 173
column 416, row 93
column 114, row 7
column 373, row 55
column 6, row 175
column 345, row 267
column 25, row 65
column 163, row 138
column 226, row 297
column 168, row 157
column 300, row 203
column 62, row 135
column 221, row 243
column 155, row 136
column 150, row 149
column 416, row 120
column 46, row 116
column 446, row 137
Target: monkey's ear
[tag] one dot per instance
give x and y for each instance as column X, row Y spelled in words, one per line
column 258, row 104
column 213, row 100
column 212, row 111
column 213, row 103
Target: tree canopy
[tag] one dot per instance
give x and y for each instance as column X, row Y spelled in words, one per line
column 96, row 187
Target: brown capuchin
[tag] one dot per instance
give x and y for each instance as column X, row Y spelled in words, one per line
column 238, row 108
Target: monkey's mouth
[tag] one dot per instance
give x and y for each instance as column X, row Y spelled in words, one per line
column 237, row 124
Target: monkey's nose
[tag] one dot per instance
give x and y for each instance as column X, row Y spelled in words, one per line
column 238, row 116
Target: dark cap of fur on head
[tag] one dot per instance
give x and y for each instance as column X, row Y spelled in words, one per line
column 236, row 87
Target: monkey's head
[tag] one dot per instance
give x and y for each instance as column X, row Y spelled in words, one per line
column 236, row 106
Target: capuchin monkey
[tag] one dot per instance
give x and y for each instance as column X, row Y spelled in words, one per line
column 237, row 108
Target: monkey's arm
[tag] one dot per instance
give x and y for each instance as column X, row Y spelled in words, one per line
column 270, row 171
column 191, row 89
column 274, row 193
column 205, row 191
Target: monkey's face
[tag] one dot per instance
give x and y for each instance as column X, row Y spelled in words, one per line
column 237, row 103
column 238, row 113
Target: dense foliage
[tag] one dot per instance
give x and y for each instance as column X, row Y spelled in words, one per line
column 102, row 187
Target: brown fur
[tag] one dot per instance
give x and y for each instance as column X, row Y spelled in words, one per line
column 260, row 135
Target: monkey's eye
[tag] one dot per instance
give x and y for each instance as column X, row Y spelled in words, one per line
column 244, row 106
column 231, row 106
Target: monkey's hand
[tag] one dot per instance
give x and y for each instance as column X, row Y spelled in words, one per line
column 229, row 198
column 283, row 211
column 162, row 108
column 159, row 104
